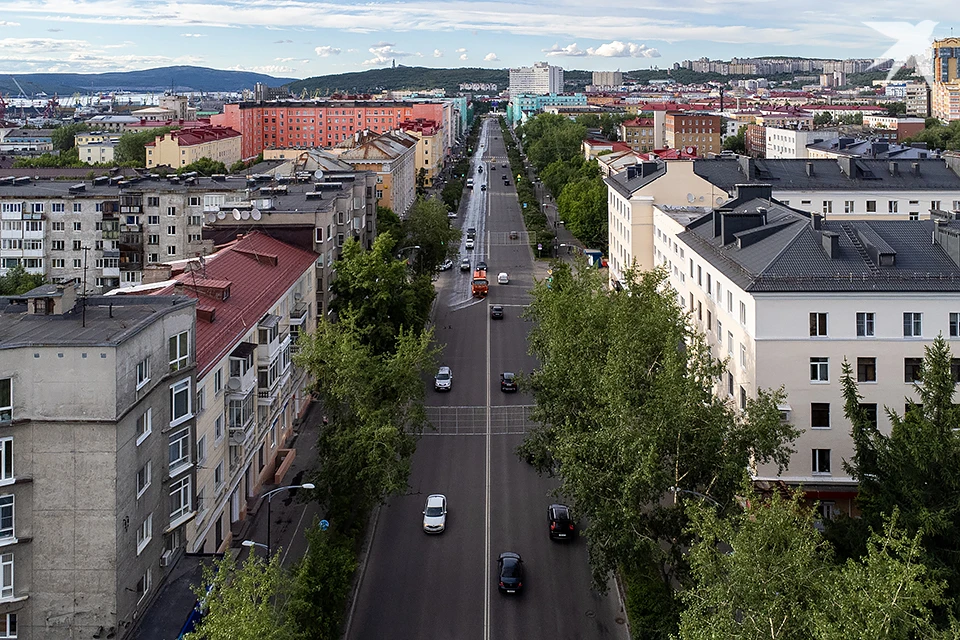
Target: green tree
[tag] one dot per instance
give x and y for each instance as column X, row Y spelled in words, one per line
column 451, row 194
column 766, row 573
column 69, row 158
column 375, row 404
column 63, row 136
column 421, row 181
column 559, row 172
column 583, row 207
column 320, row 585
column 389, row 222
column 378, row 291
column 823, row 118
column 895, row 109
column 246, row 602
column 131, row 148
column 428, row 227
column 626, row 410
column 18, row 281
column 737, row 143
column 203, row 166
column 549, row 137
column 914, row 468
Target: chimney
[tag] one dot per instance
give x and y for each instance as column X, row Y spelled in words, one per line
column 831, row 243
column 809, row 168
column 847, row 166
column 67, row 299
column 631, row 172
column 816, row 221
column 894, row 168
column 948, row 238
column 915, row 168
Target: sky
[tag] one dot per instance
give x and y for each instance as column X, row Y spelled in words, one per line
column 304, row 38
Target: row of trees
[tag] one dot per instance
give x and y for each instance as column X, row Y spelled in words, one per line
column 368, row 368
column 939, row 136
column 534, row 219
column 655, row 463
column 553, row 145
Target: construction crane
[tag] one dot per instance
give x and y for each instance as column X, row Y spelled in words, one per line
column 23, row 94
column 3, row 108
column 303, row 94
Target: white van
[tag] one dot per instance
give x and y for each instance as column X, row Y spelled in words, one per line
column 469, row 183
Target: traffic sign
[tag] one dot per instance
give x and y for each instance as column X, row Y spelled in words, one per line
column 539, row 247
column 324, row 525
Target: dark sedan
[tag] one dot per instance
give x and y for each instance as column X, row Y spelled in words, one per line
column 496, row 312
column 508, row 382
column 510, row 572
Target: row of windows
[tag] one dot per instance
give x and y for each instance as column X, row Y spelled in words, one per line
column 867, row 369
column 40, row 207
column 866, row 324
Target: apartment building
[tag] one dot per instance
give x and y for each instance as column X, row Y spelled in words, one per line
column 392, row 157
column 524, row 106
column 96, row 147
column 29, row 140
column 607, row 79
column 849, row 147
column 755, row 140
column 690, row 129
column 945, row 95
column 847, row 188
column 185, row 146
column 638, row 134
column 97, row 439
column 785, row 144
column 785, row 297
column 429, row 151
column 253, row 298
column 275, row 125
column 540, row 79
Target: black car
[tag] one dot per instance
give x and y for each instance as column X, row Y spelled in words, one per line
column 506, row 183
column 482, row 265
column 508, row 382
column 510, row 572
column 496, row 312
column 561, row 522
column 471, row 232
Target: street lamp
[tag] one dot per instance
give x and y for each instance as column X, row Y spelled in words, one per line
column 251, row 544
column 400, row 251
column 269, row 496
column 677, row 490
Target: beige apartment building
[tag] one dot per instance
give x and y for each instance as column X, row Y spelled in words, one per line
column 185, row 146
column 97, row 438
column 392, row 157
column 429, row 150
column 638, row 134
column 945, row 96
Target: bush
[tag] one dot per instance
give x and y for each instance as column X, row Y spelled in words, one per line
column 650, row 605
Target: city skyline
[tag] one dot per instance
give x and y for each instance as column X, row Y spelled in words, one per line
column 61, row 36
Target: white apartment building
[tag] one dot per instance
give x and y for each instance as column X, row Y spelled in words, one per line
column 792, row 143
column 540, row 79
column 785, row 297
column 607, row 79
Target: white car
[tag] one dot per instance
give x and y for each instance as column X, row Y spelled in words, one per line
column 446, row 264
column 469, row 244
column 435, row 513
column 451, row 214
column 502, row 278
column 443, row 381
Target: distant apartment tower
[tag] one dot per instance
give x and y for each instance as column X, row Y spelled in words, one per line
column 540, row 79
column 607, row 79
column 945, row 102
column 691, row 129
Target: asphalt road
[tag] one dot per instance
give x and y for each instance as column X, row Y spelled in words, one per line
column 444, row 587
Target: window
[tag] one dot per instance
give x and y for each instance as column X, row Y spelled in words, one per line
column 201, row 399
column 153, row 219
column 180, row 402
column 172, row 250
column 743, row 399
column 743, row 312
column 77, row 226
column 171, row 229
column 955, row 369
column 720, row 332
column 866, row 369
column 709, row 320
column 218, row 428
column 143, row 586
column 180, row 498
column 179, row 449
column 218, row 475
column 6, row 575
column 153, row 238
column 955, row 325
column 828, row 206
column 56, row 226
column 179, row 351
column 144, row 533
column 8, row 625
column 821, row 461
column 819, row 369
column 143, row 478
column 819, row 415
column 848, row 206
column 57, row 263
column 912, row 324
column 730, row 342
column 709, row 285
column 699, row 276
column 144, row 425
column 865, row 324
column 201, row 449
column 6, row 459
column 77, row 245
column 892, row 206
column 870, row 412
column 912, row 369
column 171, row 211
column 218, row 380
column 153, row 201
column 871, row 206
column 58, row 245
column 743, row 355
column 6, row 399
column 143, row 372
column 818, row 324
column 6, row 517
column 719, row 292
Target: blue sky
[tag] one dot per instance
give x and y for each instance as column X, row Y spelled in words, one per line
column 302, row 38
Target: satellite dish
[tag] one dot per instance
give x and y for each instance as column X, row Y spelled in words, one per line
column 211, row 217
column 690, row 150
column 318, row 174
column 245, row 215
column 690, row 198
column 221, row 215
column 256, row 214
column 233, row 384
column 236, row 214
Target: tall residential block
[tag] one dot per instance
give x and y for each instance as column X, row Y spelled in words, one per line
column 540, row 79
column 945, row 98
column 607, row 79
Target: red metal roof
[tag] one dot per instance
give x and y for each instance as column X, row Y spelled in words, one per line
column 199, row 135
column 639, row 122
column 257, row 269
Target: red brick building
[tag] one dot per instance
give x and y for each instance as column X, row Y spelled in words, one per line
column 756, row 140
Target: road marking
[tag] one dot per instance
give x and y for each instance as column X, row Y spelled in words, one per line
column 486, row 556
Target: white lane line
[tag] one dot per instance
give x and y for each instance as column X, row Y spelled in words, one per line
column 487, row 559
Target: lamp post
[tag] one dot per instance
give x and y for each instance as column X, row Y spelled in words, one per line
column 400, row 251
column 677, row 490
column 250, row 544
column 269, row 496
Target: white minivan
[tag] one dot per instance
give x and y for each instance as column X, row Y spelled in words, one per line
column 502, row 278
column 469, row 244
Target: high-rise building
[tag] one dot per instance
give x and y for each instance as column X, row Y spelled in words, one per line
column 607, row 79
column 945, row 97
column 540, row 79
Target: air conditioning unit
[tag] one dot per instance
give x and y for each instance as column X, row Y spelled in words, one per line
column 166, row 558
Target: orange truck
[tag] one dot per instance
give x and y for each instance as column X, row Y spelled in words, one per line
column 480, row 284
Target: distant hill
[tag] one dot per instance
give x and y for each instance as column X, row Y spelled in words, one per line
column 178, row 78
column 413, row 78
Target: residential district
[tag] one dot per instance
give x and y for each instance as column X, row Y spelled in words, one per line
column 149, row 394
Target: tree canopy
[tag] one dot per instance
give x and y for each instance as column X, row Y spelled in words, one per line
column 428, row 227
column 18, row 281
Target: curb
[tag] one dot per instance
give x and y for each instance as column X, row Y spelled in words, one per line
column 358, row 579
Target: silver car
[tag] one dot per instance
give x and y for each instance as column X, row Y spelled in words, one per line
column 435, row 513
column 443, row 381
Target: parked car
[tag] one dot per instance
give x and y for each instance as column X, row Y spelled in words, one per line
column 510, row 572
column 508, row 382
column 502, row 278
column 446, row 265
column 451, row 214
column 496, row 312
column 514, row 235
column 560, row 521
column 471, row 232
column 506, row 183
column 435, row 514
column 443, row 381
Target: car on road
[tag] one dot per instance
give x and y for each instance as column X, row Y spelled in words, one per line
column 496, row 312
column 446, row 265
column 514, row 235
column 469, row 243
column 465, row 264
column 503, row 278
column 560, row 521
column 443, row 381
column 506, row 183
column 451, row 214
column 508, row 382
column 483, row 187
column 482, row 265
column 504, row 165
column 509, row 572
column 471, row 232
column 435, row 513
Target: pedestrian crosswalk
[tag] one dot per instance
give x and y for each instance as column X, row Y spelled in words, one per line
column 472, row 420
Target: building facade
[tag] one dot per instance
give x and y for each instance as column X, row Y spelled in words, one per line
column 783, row 144
column 638, row 134
column 700, row 130
column 540, row 79
column 945, row 98
column 429, row 154
column 99, row 473
column 607, row 79
column 185, row 146
column 392, row 156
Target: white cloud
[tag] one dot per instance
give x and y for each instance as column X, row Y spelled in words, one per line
column 192, row 35
column 282, row 41
column 491, row 57
column 461, row 50
column 463, row 56
column 5, row 23
column 384, row 54
column 437, row 53
column 617, row 49
column 571, row 50
column 267, row 68
column 283, row 59
column 326, row 51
